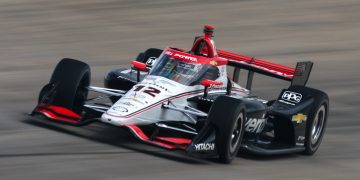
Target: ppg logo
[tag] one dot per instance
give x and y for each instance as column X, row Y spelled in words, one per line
column 291, row 96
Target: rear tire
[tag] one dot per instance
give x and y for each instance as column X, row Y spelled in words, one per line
column 316, row 125
column 228, row 115
column 148, row 56
column 71, row 78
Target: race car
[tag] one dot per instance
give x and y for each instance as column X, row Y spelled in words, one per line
column 186, row 100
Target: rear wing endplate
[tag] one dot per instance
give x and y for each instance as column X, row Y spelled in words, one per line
column 297, row 76
column 302, row 73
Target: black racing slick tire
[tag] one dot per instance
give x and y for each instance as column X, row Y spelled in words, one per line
column 44, row 92
column 71, row 79
column 316, row 124
column 228, row 115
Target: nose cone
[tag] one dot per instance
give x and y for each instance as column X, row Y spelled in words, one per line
column 141, row 98
column 115, row 120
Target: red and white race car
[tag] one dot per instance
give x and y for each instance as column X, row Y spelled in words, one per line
column 180, row 99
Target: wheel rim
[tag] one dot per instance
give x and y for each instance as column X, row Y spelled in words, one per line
column 318, row 124
column 236, row 133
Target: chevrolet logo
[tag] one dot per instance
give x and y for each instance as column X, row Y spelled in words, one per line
column 213, row 62
column 299, row 118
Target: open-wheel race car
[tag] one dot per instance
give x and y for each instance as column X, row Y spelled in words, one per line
column 186, row 100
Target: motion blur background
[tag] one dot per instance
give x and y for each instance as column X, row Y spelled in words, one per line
column 36, row 34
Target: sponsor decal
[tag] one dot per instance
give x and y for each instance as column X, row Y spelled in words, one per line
column 164, row 82
column 149, row 78
column 255, row 125
column 299, row 118
column 213, row 62
column 186, row 57
column 300, row 69
column 132, row 100
column 127, row 71
column 206, row 99
column 127, row 103
column 222, row 71
column 217, row 87
column 285, row 102
column 291, row 96
column 301, row 138
column 205, row 147
column 160, row 84
column 150, row 62
column 187, row 66
column 169, row 53
column 139, row 96
column 120, row 109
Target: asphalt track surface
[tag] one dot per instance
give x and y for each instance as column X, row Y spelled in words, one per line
column 35, row 34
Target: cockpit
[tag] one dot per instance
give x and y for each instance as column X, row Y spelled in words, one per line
column 184, row 72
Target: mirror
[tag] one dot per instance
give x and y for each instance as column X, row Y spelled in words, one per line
column 139, row 65
column 208, row 83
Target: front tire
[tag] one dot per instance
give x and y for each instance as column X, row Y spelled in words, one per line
column 228, row 115
column 71, row 79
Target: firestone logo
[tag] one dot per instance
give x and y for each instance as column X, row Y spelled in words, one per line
column 291, row 96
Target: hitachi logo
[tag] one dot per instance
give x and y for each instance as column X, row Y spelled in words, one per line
column 204, row 146
column 186, row 57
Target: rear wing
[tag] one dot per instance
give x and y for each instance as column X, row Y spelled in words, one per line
column 297, row 76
